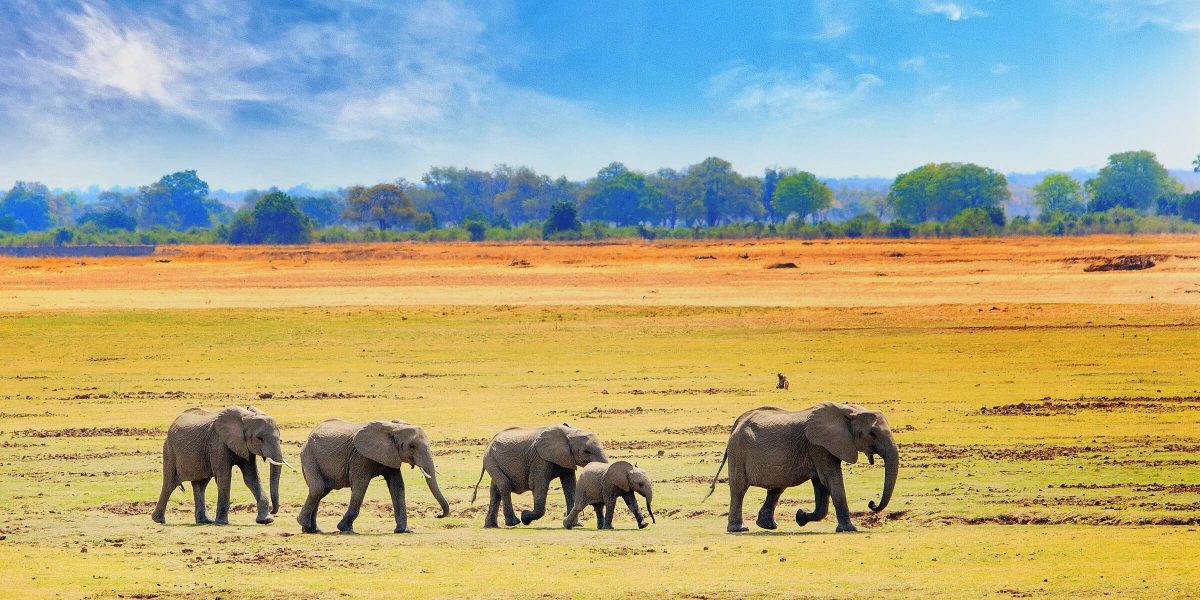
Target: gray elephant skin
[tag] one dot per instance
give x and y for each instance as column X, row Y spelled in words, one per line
column 203, row 445
column 340, row 454
column 775, row 449
column 522, row 459
column 599, row 486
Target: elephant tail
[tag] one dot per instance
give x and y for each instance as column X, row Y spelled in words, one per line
column 712, row 488
column 475, row 492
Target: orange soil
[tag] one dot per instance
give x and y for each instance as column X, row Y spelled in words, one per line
column 828, row 273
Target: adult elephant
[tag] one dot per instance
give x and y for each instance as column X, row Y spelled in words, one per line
column 522, row 459
column 775, row 449
column 340, row 454
column 203, row 445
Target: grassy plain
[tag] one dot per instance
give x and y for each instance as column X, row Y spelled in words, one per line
column 1049, row 419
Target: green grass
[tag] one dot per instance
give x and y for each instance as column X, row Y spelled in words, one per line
column 966, row 476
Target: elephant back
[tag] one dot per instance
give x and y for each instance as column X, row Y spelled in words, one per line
column 589, row 486
column 190, row 437
column 329, row 444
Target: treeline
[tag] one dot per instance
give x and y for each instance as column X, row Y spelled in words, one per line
column 1132, row 193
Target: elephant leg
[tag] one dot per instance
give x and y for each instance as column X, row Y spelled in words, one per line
column 569, row 495
column 737, row 493
column 510, row 515
column 168, row 485
column 489, row 521
column 250, row 478
column 308, row 513
column 224, row 478
column 198, row 488
column 358, row 491
column 837, row 492
column 820, row 505
column 610, row 505
column 572, row 518
column 541, row 487
column 766, row 514
column 599, row 508
column 631, row 502
column 395, row 483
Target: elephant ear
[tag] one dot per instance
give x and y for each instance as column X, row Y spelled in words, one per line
column 376, row 441
column 618, row 475
column 829, row 427
column 552, row 445
column 233, row 430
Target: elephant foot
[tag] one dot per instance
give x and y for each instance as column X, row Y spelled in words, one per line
column 738, row 528
column 275, row 509
column 568, row 524
column 160, row 519
column 402, row 530
column 310, row 530
column 491, row 525
column 204, row 521
column 264, row 520
column 527, row 517
column 846, row 527
column 766, row 523
column 643, row 524
column 345, row 528
column 512, row 521
column 803, row 518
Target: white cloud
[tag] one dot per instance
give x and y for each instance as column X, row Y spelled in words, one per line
column 1000, row 69
column 1178, row 15
column 954, row 11
column 786, row 97
column 836, row 18
column 913, row 64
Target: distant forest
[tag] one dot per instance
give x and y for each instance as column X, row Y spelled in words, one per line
column 1132, row 193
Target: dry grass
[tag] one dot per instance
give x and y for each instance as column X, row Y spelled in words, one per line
column 1050, row 449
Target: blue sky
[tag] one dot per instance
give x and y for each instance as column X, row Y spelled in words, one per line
column 325, row 92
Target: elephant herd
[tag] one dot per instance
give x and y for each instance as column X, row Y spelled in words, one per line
column 768, row 447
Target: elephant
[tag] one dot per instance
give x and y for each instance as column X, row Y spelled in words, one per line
column 521, row 459
column 201, row 445
column 773, row 448
column 340, row 454
column 600, row 484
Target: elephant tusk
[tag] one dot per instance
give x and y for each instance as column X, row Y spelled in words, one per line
column 425, row 473
column 285, row 463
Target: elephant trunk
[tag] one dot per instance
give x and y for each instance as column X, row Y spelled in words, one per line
column 424, row 461
column 891, row 466
column 273, row 454
column 650, row 511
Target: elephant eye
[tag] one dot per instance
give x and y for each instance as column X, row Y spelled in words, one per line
column 872, row 434
column 586, row 451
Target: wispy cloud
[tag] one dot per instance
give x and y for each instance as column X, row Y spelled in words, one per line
column 1178, row 15
column 954, row 11
column 788, row 97
column 913, row 64
column 836, row 18
column 1000, row 69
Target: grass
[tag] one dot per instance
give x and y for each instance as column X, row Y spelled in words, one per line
column 1048, row 449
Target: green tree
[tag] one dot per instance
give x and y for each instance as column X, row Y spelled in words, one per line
column 1196, row 164
column 1189, row 207
column 274, row 219
column 324, row 210
column 1130, row 180
column 28, row 204
column 177, row 201
column 938, row 191
column 716, row 192
column 1058, row 193
column 618, row 195
column 801, row 194
column 563, row 219
column 111, row 219
column 384, row 205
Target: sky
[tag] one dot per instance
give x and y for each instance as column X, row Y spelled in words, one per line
column 333, row 93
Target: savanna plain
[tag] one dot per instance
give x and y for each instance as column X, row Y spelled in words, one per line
column 1048, row 417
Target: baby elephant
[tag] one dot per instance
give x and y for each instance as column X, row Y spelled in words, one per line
column 600, row 484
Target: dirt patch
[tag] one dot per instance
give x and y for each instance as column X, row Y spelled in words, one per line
column 278, row 557
column 654, row 444
column 127, row 509
column 697, row 430
column 597, row 411
column 415, row 375
column 783, row 265
column 1052, row 407
column 1127, row 262
column 1014, row 453
column 464, row 441
column 88, row 432
column 693, row 391
column 1066, row 519
column 8, row 415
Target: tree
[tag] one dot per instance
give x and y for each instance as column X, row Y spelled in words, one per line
column 1058, row 193
column 110, row 219
column 176, row 201
column 275, row 219
column 385, row 205
column 563, row 219
column 1189, row 207
column 802, row 194
column 770, row 180
column 1196, row 164
column 715, row 192
column 938, row 191
column 1130, row 180
column 620, row 196
column 324, row 210
column 28, row 205
column 671, row 189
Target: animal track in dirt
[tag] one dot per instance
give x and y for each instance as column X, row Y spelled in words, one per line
column 697, row 430
column 1057, row 406
column 88, row 432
